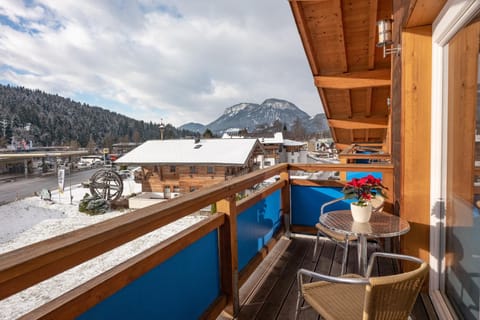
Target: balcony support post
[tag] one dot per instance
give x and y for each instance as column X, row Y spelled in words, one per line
column 285, row 198
column 229, row 254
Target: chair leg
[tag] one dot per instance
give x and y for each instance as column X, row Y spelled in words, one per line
column 344, row 258
column 316, row 246
column 299, row 305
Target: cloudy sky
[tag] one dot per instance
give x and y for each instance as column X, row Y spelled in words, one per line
column 176, row 60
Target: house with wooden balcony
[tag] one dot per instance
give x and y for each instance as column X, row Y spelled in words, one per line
column 180, row 166
column 273, row 147
column 280, row 150
column 397, row 76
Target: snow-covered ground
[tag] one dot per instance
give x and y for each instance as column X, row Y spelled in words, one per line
column 32, row 219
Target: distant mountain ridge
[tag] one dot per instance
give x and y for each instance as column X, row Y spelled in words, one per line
column 252, row 116
column 55, row 120
column 49, row 119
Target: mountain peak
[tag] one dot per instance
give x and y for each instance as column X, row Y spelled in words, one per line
column 235, row 109
column 279, row 104
column 252, row 115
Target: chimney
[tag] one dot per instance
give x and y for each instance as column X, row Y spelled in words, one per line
column 162, row 128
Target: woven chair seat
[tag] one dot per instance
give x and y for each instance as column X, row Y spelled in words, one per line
column 336, row 301
column 340, row 237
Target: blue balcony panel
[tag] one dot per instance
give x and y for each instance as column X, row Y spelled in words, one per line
column 306, row 202
column 182, row 287
column 351, row 175
column 256, row 226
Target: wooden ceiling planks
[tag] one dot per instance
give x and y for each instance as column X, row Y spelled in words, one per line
column 356, row 27
column 352, row 77
column 305, row 35
column 368, row 101
column 379, row 103
column 359, row 100
column 423, row 12
column 372, row 15
column 324, row 23
column 338, row 102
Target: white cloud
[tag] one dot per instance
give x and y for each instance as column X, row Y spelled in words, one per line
column 177, row 60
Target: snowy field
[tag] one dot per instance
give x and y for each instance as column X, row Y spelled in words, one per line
column 32, row 219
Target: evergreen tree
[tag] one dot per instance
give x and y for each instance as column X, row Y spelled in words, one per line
column 74, row 145
column 208, row 134
column 91, row 145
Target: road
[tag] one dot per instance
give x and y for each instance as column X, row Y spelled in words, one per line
column 26, row 187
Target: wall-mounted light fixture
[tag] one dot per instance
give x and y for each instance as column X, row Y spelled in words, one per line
column 385, row 37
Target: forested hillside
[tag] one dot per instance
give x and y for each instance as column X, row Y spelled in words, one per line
column 47, row 119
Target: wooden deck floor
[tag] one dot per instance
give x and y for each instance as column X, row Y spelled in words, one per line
column 271, row 292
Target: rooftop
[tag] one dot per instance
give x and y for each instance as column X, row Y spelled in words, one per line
column 189, row 151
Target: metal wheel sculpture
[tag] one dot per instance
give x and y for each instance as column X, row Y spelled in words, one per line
column 106, row 184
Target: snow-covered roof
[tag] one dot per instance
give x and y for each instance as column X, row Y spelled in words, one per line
column 277, row 138
column 188, row 151
column 227, row 136
column 293, row 143
column 233, row 130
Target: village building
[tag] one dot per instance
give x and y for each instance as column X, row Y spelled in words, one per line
column 174, row 167
column 321, row 145
column 276, row 149
column 280, row 150
column 272, row 147
column 293, row 151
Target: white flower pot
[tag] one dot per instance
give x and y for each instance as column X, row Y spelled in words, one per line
column 361, row 213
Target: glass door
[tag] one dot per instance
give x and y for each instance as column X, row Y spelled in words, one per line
column 462, row 217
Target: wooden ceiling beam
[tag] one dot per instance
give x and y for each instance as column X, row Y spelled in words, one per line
column 342, row 146
column 353, row 80
column 359, row 123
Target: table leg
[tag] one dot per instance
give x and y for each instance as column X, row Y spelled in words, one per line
column 362, row 254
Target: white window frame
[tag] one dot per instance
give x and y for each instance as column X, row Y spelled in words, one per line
column 453, row 17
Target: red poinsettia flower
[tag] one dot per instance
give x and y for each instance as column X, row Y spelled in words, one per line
column 363, row 189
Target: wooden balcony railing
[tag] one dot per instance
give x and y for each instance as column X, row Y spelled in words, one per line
column 25, row 267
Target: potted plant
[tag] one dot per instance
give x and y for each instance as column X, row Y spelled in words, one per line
column 363, row 189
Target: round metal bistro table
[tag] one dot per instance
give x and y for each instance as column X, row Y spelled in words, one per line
column 381, row 225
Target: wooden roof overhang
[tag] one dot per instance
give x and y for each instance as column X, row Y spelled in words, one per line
column 352, row 76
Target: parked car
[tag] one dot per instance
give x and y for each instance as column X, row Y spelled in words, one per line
column 83, row 165
column 92, row 161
